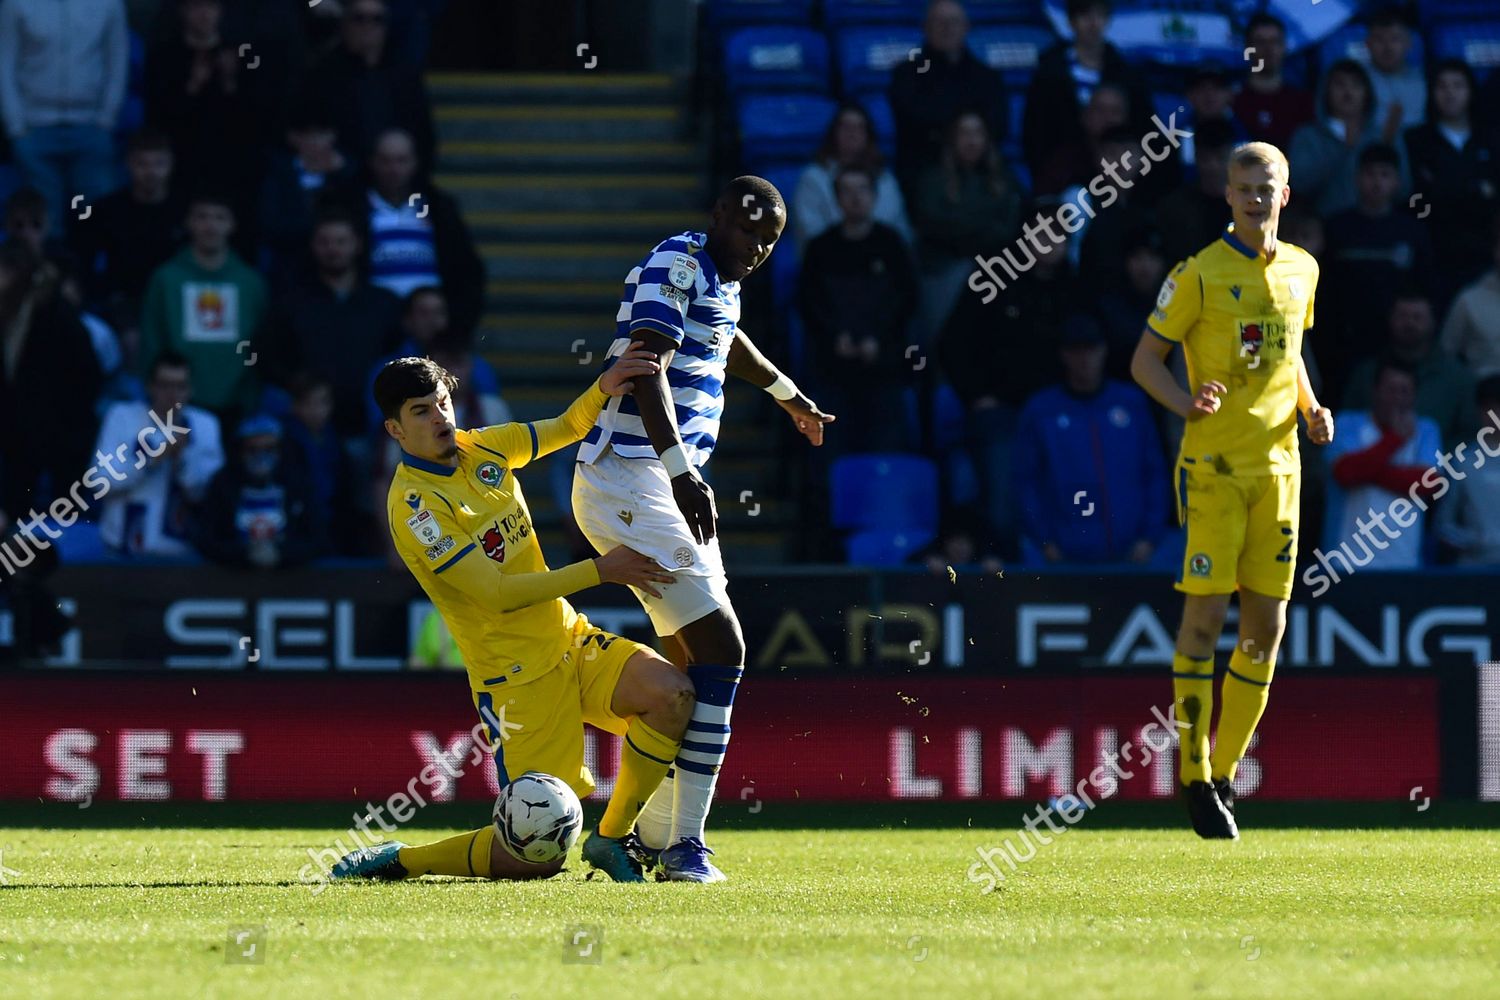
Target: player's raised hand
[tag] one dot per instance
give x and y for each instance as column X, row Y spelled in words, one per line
column 807, row 417
column 634, row 363
column 1206, row 403
column 1320, row 425
column 695, row 499
column 625, row 565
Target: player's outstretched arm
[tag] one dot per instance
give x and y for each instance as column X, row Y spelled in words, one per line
column 746, row 362
column 523, row 443
column 1149, row 368
column 653, row 397
column 575, row 421
column 466, row 569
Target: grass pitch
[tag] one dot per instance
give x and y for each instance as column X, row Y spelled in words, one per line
column 113, row 902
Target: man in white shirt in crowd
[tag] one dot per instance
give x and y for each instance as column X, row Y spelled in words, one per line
column 146, row 513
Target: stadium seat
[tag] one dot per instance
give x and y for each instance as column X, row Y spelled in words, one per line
column 1013, row 49
column 884, row 122
column 884, row 491
column 776, row 58
column 1433, row 11
column 737, row 13
column 1007, row 11
column 784, row 266
column 782, row 127
column 839, row 13
column 866, row 56
column 1475, row 42
column 886, row 546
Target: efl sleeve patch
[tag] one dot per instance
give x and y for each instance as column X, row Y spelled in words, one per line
column 683, row 273
column 1168, row 289
column 424, row 526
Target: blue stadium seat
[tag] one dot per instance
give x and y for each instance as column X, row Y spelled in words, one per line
column 776, row 58
column 1475, row 42
column 785, row 266
column 866, row 56
column 884, row 122
column 884, row 491
column 736, row 13
column 838, row 13
column 887, row 546
column 1455, row 10
column 1011, row 11
column 1013, row 49
column 1349, row 43
column 782, row 127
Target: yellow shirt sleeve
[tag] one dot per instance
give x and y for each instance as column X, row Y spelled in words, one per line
column 438, row 553
column 1179, row 302
column 522, row 444
column 1312, row 293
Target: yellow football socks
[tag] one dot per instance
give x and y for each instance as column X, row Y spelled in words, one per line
column 1193, row 694
column 1247, row 687
column 467, row 854
column 644, row 759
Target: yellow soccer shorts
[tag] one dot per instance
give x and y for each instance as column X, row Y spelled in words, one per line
column 1241, row 531
column 538, row 726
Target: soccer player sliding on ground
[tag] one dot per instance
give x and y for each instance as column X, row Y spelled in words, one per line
column 463, row 529
column 1240, row 308
column 637, row 481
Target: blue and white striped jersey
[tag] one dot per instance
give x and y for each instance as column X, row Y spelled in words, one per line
column 675, row 291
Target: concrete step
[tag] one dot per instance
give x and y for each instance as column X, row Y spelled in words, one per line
column 580, row 261
column 583, row 87
column 570, row 156
column 645, row 227
column 560, row 295
column 561, row 122
column 573, row 192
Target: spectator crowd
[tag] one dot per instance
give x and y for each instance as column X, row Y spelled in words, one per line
column 220, row 210
column 1046, row 451
column 225, row 208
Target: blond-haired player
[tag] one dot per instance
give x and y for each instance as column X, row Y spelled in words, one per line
column 1240, row 308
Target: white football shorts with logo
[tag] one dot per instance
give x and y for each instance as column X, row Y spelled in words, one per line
column 628, row 501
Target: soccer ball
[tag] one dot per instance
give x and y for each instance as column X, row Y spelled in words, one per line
column 538, row 818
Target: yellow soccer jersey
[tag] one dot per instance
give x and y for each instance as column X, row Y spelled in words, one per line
column 466, row 535
column 1240, row 320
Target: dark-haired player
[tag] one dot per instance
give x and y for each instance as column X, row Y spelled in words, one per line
column 638, row 483
column 463, row 529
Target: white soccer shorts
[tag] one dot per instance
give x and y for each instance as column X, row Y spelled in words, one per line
column 628, row 501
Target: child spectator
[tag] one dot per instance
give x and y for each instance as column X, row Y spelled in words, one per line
column 260, row 511
column 207, row 304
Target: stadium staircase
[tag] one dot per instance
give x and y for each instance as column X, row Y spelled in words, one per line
column 566, row 181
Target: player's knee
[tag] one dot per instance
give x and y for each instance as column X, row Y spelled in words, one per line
column 726, row 646
column 672, row 697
